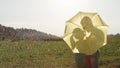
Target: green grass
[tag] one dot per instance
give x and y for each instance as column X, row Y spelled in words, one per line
column 26, row 54
column 110, row 54
column 52, row 54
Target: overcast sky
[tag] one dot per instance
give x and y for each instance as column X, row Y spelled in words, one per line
column 50, row 15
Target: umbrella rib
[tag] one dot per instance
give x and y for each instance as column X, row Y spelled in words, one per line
column 74, row 24
column 68, row 34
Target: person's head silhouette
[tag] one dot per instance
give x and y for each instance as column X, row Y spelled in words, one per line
column 87, row 23
column 78, row 33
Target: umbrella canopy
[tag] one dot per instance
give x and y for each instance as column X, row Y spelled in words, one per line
column 85, row 33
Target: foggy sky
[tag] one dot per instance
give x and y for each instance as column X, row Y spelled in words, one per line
column 50, row 15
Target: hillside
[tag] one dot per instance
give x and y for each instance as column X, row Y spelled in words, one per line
column 9, row 33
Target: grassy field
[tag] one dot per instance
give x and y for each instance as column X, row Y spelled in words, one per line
column 52, row 54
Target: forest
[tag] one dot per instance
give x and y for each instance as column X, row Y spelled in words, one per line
column 9, row 33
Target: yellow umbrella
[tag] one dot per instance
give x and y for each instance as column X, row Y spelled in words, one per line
column 85, row 33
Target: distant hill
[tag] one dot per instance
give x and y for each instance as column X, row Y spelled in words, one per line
column 9, row 33
column 114, row 35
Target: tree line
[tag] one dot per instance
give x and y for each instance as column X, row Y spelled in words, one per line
column 9, row 33
column 114, row 35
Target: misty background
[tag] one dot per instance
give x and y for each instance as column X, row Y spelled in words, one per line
column 49, row 16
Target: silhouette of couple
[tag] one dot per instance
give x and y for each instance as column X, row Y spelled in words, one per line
column 85, row 40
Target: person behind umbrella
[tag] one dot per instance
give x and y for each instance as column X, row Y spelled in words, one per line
column 83, row 60
column 85, row 33
column 76, row 39
column 91, row 61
